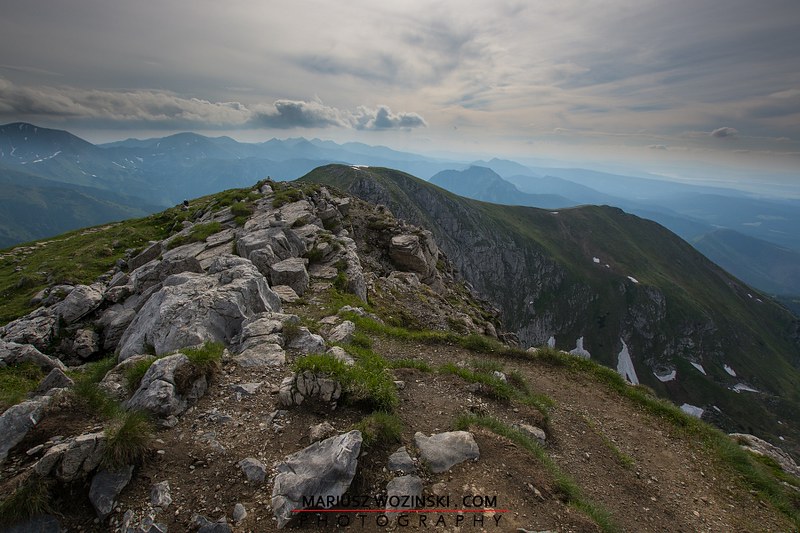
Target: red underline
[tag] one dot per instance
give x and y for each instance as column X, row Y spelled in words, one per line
column 400, row 511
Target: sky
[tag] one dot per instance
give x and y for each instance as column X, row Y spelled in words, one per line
column 666, row 85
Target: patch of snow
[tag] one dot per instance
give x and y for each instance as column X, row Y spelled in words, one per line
column 579, row 350
column 551, row 342
column 749, row 295
column 663, row 378
column 739, row 387
column 633, row 279
column 729, row 370
column 625, row 365
column 553, row 212
column 717, row 409
column 754, row 224
column 596, row 260
column 121, row 166
column 608, row 266
column 699, row 367
column 759, row 300
column 358, row 167
column 781, row 437
column 692, row 410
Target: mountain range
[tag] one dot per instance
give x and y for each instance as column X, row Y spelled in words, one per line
column 52, row 181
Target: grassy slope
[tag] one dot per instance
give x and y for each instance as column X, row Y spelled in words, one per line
column 753, row 338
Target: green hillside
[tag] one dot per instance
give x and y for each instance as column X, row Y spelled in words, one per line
column 567, row 274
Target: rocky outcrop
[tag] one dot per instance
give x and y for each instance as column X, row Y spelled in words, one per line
column 762, row 447
column 12, row 353
column 415, row 253
column 291, row 272
column 324, row 469
column 308, row 386
column 106, row 486
column 74, row 458
column 193, row 308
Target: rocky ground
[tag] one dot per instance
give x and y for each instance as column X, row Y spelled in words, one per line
column 240, row 441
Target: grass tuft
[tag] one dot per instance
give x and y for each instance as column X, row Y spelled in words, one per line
column 30, row 499
column 127, row 439
column 207, row 357
column 136, row 371
column 411, row 363
column 380, row 429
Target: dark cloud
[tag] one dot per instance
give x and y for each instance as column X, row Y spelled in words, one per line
column 658, row 147
column 726, row 131
column 298, row 114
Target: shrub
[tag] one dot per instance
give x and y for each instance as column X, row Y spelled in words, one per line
column 136, row 371
column 207, row 357
column 30, row 499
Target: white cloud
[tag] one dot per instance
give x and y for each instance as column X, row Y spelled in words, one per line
column 725, row 131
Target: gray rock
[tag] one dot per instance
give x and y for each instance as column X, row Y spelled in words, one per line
column 147, row 255
column 86, row 343
column 404, row 492
column 239, row 512
column 36, row 328
column 106, row 486
column 762, row 447
column 532, row 432
column 415, row 253
column 160, row 494
column 114, row 322
column 155, row 272
column 246, row 389
column 401, row 461
column 12, row 353
column 73, row 458
column 354, row 272
column 285, row 293
column 442, row 451
column 320, row 432
column 261, row 355
column 282, row 243
column 259, row 329
column 115, row 383
column 17, row 420
column 307, row 342
column 324, row 469
column 340, row 354
column 343, row 333
column 308, row 386
column 159, row 391
column 81, row 301
column 291, row 272
column 254, row 470
column 193, row 308
column 56, row 379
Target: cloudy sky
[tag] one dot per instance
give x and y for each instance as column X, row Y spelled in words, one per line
column 661, row 82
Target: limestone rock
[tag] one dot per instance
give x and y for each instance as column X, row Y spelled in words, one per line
column 81, row 301
column 340, row 354
column 193, row 308
column 253, row 469
column 343, row 333
column 36, row 328
column 308, row 386
column 12, row 353
column 307, row 342
column 532, row 432
column 415, row 253
column 17, row 420
column 291, row 272
column 403, row 492
column 325, row 468
column 261, row 355
column 159, row 392
column 86, row 343
column 320, row 432
column 147, row 255
column 239, row 512
column 286, row 293
column 73, row 458
column 762, row 447
column 442, row 451
column 401, row 461
column 160, row 494
column 106, row 486
column 56, row 379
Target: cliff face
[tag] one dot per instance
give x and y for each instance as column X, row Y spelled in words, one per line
column 605, row 284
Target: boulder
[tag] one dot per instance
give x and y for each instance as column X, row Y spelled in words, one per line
column 294, row 390
column 285, row 293
column 147, row 255
column 340, row 354
column 281, row 241
column 56, row 379
column 261, row 355
column 354, row 272
column 415, row 253
column 322, row 470
column 106, row 486
column 442, row 451
column 531, row 432
column 36, row 328
column 193, row 308
column 343, row 333
column 291, row 272
column 160, row 494
column 81, row 301
column 114, row 321
column 162, row 393
column 12, row 353
column 115, row 383
column 18, row 420
column 320, row 432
